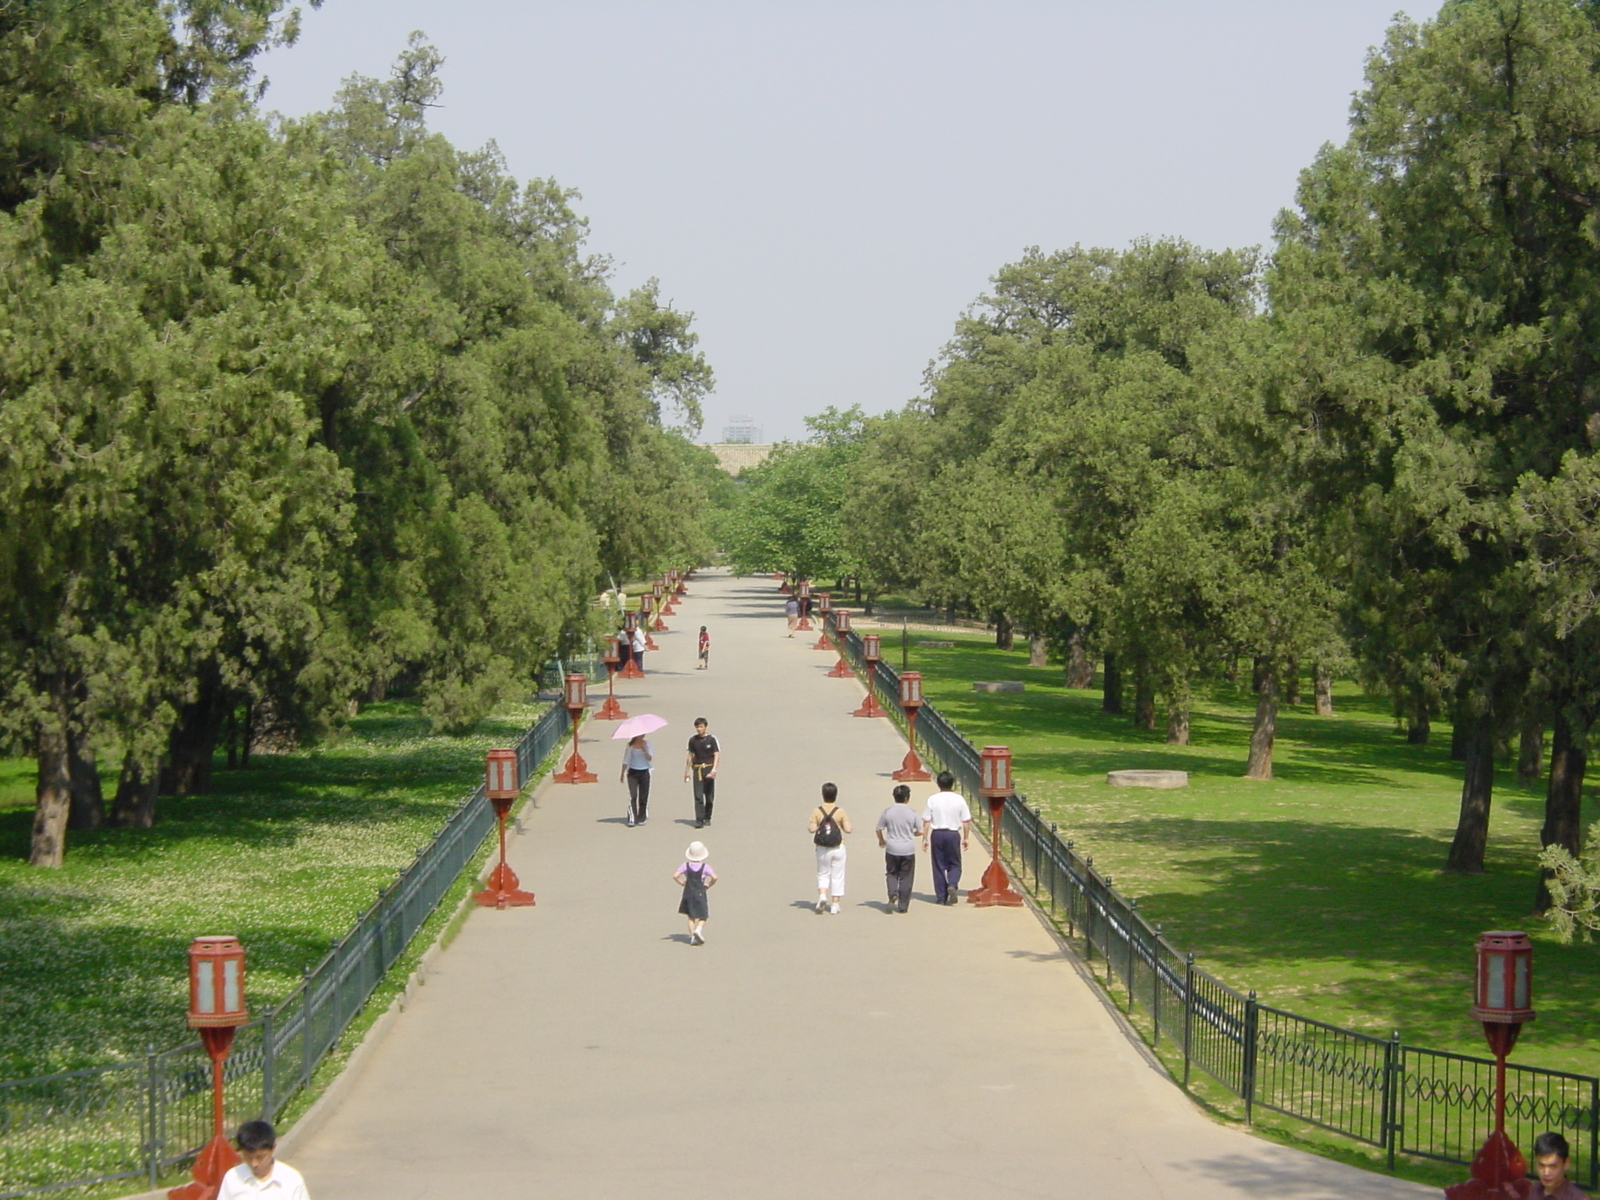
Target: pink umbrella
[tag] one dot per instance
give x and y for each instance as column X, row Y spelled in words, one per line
column 634, row 726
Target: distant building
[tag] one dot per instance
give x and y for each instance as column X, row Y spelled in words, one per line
column 741, row 431
column 734, row 457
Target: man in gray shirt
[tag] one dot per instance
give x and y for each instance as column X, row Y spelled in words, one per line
column 897, row 834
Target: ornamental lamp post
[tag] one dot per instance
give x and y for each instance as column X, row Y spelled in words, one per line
column 869, row 651
column 994, row 785
column 1503, row 1005
column 611, row 710
column 824, row 607
column 783, row 583
column 644, row 624
column 576, row 700
column 911, row 768
column 630, row 625
column 841, row 629
column 216, row 1009
column 656, row 606
column 804, row 592
column 502, row 786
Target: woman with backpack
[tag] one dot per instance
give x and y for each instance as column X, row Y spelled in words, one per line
column 829, row 823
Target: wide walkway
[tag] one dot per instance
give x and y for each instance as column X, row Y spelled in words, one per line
column 583, row 1049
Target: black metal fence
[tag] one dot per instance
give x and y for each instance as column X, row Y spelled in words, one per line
column 137, row 1120
column 1401, row 1099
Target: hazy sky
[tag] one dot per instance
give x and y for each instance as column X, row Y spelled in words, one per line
column 826, row 186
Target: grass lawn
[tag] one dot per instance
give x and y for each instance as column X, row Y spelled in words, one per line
column 286, row 855
column 1322, row 888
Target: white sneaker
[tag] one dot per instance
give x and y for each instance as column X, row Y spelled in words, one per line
column 821, row 904
column 834, row 908
column 695, row 939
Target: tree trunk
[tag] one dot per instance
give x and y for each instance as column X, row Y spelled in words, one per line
column 134, row 806
column 1291, row 679
column 1079, row 670
column 1265, row 730
column 1417, row 728
column 1563, row 798
column 1110, row 685
column 1477, row 793
column 1003, row 631
column 1178, row 713
column 1322, row 689
column 52, row 797
column 1460, row 739
column 1530, row 751
column 1260, row 668
column 88, row 803
column 1038, row 650
column 249, row 737
column 1144, row 699
column 194, row 740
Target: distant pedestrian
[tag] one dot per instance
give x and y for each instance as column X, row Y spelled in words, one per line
column 897, row 834
column 624, row 649
column 637, row 760
column 1550, row 1157
column 705, row 649
column 260, row 1174
column 638, row 642
column 700, row 764
column 829, row 823
column 695, row 877
column 791, row 610
column 946, row 825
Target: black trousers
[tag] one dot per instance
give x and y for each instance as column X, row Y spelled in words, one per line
column 705, row 795
column 638, row 792
column 944, row 848
column 899, row 870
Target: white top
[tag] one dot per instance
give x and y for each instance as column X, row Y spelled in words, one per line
column 946, row 810
column 636, row 758
column 283, row 1183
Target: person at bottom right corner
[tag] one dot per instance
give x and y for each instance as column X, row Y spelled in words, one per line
column 260, row 1174
column 1550, row 1156
column 946, row 828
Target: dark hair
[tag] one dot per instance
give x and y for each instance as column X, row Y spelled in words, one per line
column 701, row 721
column 945, row 780
column 830, row 792
column 901, row 793
column 1551, row 1143
column 256, row 1135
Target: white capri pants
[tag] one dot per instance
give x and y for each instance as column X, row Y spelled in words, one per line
column 830, row 870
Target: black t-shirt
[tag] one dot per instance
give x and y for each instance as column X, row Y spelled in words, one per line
column 703, row 748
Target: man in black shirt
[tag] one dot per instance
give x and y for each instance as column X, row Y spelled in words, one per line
column 701, row 766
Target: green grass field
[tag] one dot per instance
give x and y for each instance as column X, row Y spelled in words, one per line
column 1322, row 889
column 286, row 855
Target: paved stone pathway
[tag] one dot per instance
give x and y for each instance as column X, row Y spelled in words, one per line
column 583, row 1049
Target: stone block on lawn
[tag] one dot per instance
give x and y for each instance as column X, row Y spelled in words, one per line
column 997, row 685
column 1151, row 779
column 937, row 645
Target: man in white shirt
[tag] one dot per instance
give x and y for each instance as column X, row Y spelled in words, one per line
column 260, row 1176
column 946, row 827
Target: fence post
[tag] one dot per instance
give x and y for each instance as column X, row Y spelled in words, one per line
column 268, row 1053
column 1594, row 1134
column 1055, row 872
column 1155, row 990
column 305, row 1026
column 1391, row 1094
column 1133, row 935
column 1188, row 1011
column 152, row 1117
column 1247, row 1074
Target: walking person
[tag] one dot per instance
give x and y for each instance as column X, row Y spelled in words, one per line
column 636, row 762
column 259, row 1173
column 638, row 643
column 946, row 827
column 897, row 834
column 791, row 610
column 695, row 876
column 828, row 825
column 700, row 764
column 624, row 649
column 1551, row 1156
column 705, row 649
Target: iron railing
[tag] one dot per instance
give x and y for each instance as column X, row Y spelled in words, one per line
column 1401, row 1099
column 137, row 1120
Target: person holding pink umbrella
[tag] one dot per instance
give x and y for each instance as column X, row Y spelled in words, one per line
column 637, row 759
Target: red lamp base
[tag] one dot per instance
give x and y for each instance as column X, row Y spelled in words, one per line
column 996, row 889
column 650, row 642
column 823, row 643
column 577, row 772
column 870, row 707
column 911, row 770
column 804, row 626
column 841, row 670
column 216, row 1158
column 503, row 891
column 632, row 671
column 610, row 711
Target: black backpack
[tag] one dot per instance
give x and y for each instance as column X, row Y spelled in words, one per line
column 828, row 833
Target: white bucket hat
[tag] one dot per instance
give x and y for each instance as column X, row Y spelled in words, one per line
column 697, row 852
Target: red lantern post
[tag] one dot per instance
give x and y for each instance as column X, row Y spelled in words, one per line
column 659, row 626
column 1504, row 996
column 994, row 785
column 682, row 580
column 576, row 700
column 783, row 583
column 911, row 768
column 502, row 787
column 869, row 651
column 216, row 1009
column 804, row 592
column 669, row 596
column 824, row 607
column 611, row 710
column 630, row 622
column 841, row 627
column 644, row 623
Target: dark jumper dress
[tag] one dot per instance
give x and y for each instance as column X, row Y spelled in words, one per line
column 693, row 904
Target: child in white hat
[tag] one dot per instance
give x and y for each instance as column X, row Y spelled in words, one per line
column 695, row 877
